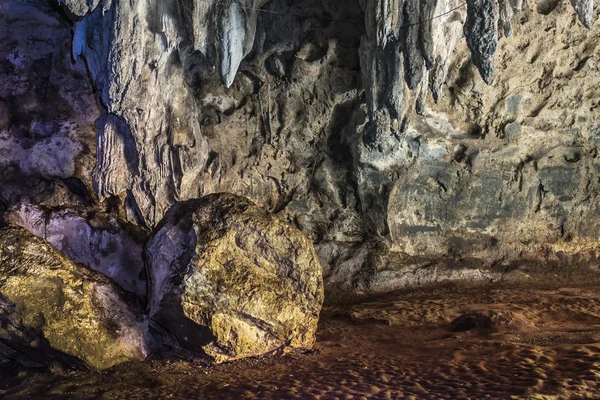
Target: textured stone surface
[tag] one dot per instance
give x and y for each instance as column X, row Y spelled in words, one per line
column 318, row 126
column 230, row 280
column 481, row 31
column 47, row 300
column 97, row 240
column 519, row 171
column 153, row 154
column 47, row 107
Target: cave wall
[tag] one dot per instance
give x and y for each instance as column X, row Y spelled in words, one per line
column 47, row 109
column 376, row 135
column 516, row 176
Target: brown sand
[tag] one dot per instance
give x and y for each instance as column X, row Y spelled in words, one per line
column 532, row 344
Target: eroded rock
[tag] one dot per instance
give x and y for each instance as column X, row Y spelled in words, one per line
column 229, row 280
column 481, row 31
column 47, row 106
column 97, row 240
column 47, row 300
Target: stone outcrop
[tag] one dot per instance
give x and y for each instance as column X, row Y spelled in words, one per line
column 98, row 240
column 48, row 304
column 229, row 280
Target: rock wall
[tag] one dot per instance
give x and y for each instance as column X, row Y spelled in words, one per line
column 47, row 109
column 320, row 112
column 519, row 167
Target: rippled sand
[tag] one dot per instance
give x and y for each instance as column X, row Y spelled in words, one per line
column 541, row 344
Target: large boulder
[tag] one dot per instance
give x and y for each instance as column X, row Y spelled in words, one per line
column 49, row 302
column 229, row 280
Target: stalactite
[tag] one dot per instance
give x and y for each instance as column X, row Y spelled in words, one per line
column 427, row 10
column 413, row 59
column 231, row 33
column 481, row 31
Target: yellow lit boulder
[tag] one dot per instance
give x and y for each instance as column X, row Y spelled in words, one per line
column 229, row 280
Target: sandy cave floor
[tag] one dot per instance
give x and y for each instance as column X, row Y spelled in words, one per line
column 545, row 344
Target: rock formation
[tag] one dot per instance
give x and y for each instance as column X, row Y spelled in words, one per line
column 97, row 240
column 154, row 152
column 47, row 302
column 320, row 112
column 47, row 109
column 229, row 280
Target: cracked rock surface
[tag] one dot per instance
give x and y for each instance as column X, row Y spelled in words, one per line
column 229, row 280
column 52, row 309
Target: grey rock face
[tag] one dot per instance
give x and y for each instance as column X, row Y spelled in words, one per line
column 426, row 40
column 425, row 30
column 153, row 151
column 319, row 127
column 156, row 153
column 481, row 31
column 47, row 107
column 505, row 17
column 229, row 280
column 96, row 240
column 149, row 151
column 231, row 35
column 236, row 29
column 585, row 11
column 409, row 33
column 81, row 7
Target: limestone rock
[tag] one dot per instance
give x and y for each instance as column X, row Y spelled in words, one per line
column 154, row 152
column 481, row 31
column 183, row 60
column 49, row 299
column 229, row 280
column 236, row 29
column 585, row 11
column 318, row 125
column 97, row 240
column 505, row 17
column 231, row 34
column 413, row 58
column 47, row 107
column 81, row 7
column 426, row 36
column 517, row 5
